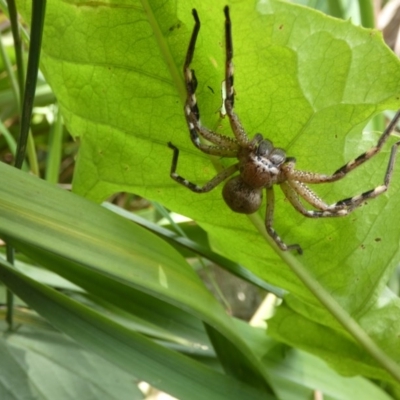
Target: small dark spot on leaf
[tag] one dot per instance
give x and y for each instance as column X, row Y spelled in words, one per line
column 173, row 27
column 362, row 246
column 280, row 26
column 378, row 239
column 211, row 89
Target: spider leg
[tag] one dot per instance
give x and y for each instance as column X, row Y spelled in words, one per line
column 310, row 177
column 296, row 179
column 236, row 125
column 352, row 203
column 221, row 176
column 292, row 193
column 373, row 150
column 339, row 209
column 269, row 219
column 293, row 190
column 223, row 145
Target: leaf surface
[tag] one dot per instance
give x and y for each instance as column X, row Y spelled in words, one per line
column 307, row 81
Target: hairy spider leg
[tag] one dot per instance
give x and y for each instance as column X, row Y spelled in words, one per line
column 310, row 177
column 269, row 221
column 236, row 125
column 374, row 150
column 351, row 203
column 293, row 195
column 220, row 177
column 223, row 145
column 296, row 180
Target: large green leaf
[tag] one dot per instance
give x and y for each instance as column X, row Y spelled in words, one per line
column 41, row 363
column 334, row 345
column 307, row 372
column 307, row 81
column 132, row 352
column 110, row 257
column 116, row 291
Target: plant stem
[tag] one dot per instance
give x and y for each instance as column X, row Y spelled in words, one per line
column 15, row 28
column 324, row 297
column 38, row 11
column 367, row 13
column 335, row 9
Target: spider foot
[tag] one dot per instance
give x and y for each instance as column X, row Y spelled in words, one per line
column 280, row 243
column 289, row 247
column 171, row 146
column 295, row 247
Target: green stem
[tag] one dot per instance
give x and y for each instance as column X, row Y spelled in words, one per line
column 55, row 144
column 324, row 297
column 38, row 11
column 18, row 91
column 336, row 9
column 15, row 29
column 32, row 157
column 10, row 72
column 367, row 13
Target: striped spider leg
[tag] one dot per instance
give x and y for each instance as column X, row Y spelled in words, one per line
column 260, row 164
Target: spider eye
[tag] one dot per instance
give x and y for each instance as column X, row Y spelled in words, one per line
column 257, row 138
column 264, row 148
column 278, row 156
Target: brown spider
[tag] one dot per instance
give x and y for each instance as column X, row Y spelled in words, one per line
column 261, row 165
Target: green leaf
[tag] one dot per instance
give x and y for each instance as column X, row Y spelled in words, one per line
column 97, row 330
column 132, row 352
column 307, row 81
column 334, row 345
column 298, row 375
column 197, row 248
column 41, row 363
column 112, row 259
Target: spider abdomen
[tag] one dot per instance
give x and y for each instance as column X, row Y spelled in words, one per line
column 240, row 197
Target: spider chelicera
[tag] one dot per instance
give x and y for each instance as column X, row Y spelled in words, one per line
column 260, row 164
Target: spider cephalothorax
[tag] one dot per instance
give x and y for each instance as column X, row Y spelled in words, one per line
column 260, row 164
column 259, row 167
